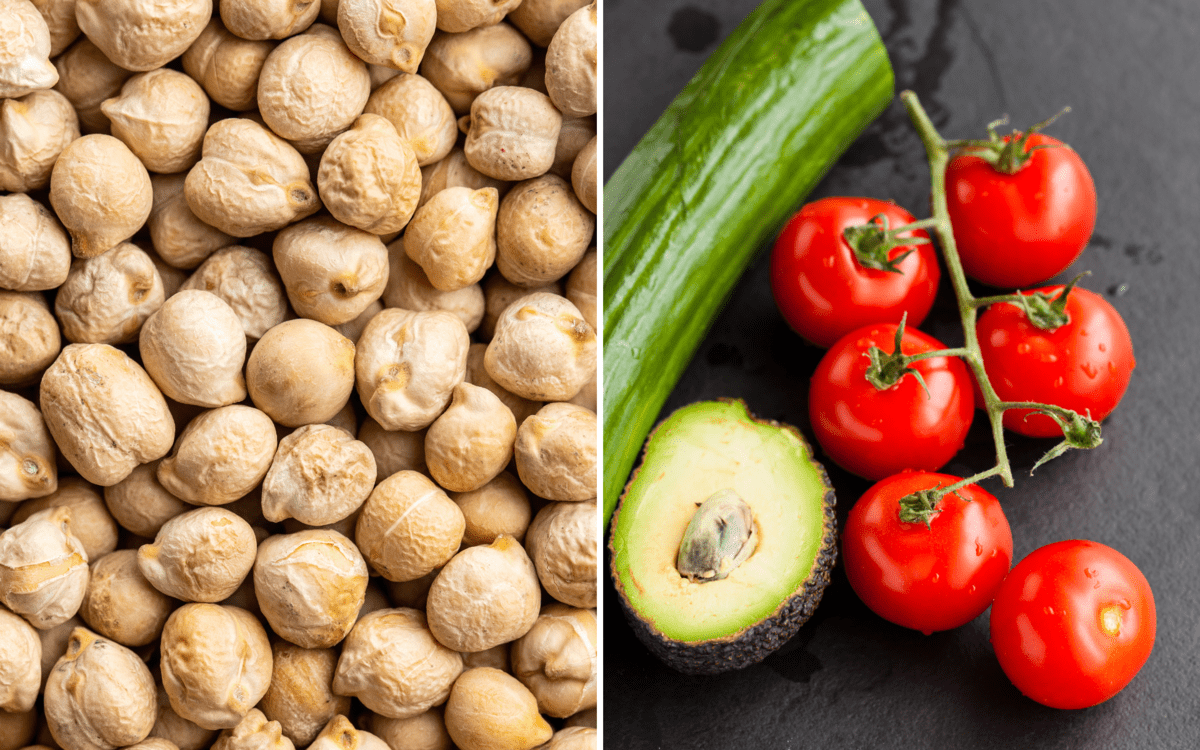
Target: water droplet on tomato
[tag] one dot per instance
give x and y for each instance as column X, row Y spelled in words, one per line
column 934, row 578
column 1103, row 347
column 829, row 261
column 1058, row 382
column 1049, row 610
column 978, row 549
column 971, row 589
column 1088, row 572
column 1049, row 357
column 1023, row 347
column 1112, row 367
column 1083, row 332
column 1125, row 604
column 1089, row 369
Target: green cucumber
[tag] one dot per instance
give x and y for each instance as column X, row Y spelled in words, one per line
column 752, row 133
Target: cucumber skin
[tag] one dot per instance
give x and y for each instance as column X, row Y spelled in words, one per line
column 712, row 180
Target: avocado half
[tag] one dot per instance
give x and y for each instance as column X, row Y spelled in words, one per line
column 712, row 626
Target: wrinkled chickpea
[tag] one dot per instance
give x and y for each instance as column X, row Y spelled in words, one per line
column 573, row 738
column 462, row 66
column 542, row 231
column 408, row 527
column 340, row 734
column 186, row 735
column 87, row 518
column 35, row 252
column 562, row 542
column 177, row 234
column 574, row 135
column 54, row 644
column 583, row 175
column 455, row 171
column 557, row 660
column 59, row 16
column 571, row 64
column 543, row 349
column 499, row 507
column 107, row 299
column 555, row 452
column 199, row 556
column 34, row 131
column 24, row 50
column 499, row 293
column 512, row 133
column 194, row 348
column 408, row 288
column 268, row 19
column 369, row 177
column 331, row 271
column 394, row 450
column 161, row 116
column 539, row 19
column 27, row 457
column 29, row 337
column 491, row 710
column 86, row 77
column 425, row 731
column 246, row 280
column 20, row 663
column 319, row 475
column 254, row 732
column 140, row 504
column 101, row 193
column 463, row 15
column 581, row 287
column 43, row 569
column 471, row 442
column 453, row 237
column 522, row 408
column 221, row 456
column 121, row 604
column 227, row 66
column 420, row 114
column 301, row 372
column 139, row 35
column 392, row 33
column 301, row 697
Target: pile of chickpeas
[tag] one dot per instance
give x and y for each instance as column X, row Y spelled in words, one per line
column 298, row 374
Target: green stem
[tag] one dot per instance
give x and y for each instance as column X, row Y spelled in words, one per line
column 1060, row 411
column 922, row 224
column 985, row 301
column 976, row 479
column 960, row 352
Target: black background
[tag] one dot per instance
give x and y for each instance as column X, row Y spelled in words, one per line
column 1131, row 73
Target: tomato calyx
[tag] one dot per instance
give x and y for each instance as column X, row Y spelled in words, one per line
column 874, row 241
column 1079, row 431
column 1043, row 311
column 886, row 369
column 1007, row 154
column 921, row 506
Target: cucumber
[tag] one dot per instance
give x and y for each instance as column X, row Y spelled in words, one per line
column 736, row 152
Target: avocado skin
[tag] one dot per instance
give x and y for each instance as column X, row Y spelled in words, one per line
column 757, row 642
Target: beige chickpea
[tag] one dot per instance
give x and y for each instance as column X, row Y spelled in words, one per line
column 340, row 734
column 106, row 299
column 409, row 289
column 331, row 271
column 462, row 66
column 453, row 237
column 420, row 114
column 221, row 456
column 43, row 569
column 301, row 697
column 408, row 527
column 87, row 518
column 35, row 252
column 29, row 337
column 92, row 685
column 573, row 738
column 381, row 75
column 574, row 135
column 268, row 19
column 172, row 277
column 24, row 50
column 101, row 193
column 581, row 287
column 562, row 541
column 512, row 133
column 34, row 130
column 393, row 33
column 254, row 732
column 542, row 231
column 319, row 476
column 199, row 556
column 556, row 452
column 491, row 710
column 394, row 450
column 413, row 593
column 54, row 644
column 557, row 660
column 369, row 177
column 227, row 66
column 583, row 176
column 20, row 663
column 543, row 350
column 161, row 116
column 186, row 735
column 194, row 347
column 142, row 36
column 249, row 181
column 353, row 329
column 59, row 16
column 499, row 293
column 27, row 456
column 17, row 729
column 499, row 507
column 495, row 657
column 455, row 171
column 407, row 364
column 586, row 396
column 121, row 604
column 522, row 408
column 484, row 596
column 301, row 372
column 140, row 504
column 539, row 19
column 585, row 718
column 86, row 77
column 425, row 731
column 216, row 663
column 311, row 88
column 462, row 15
column 391, row 662
column 571, row 64
column 246, row 280
column 105, row 413
column 471, row 442
column 177, row 235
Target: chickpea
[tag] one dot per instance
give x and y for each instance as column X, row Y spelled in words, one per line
column 179, row 237
column 340, row 734
column 408, row 527
column 471, row 442
column 301, row 372
column 34, row 131
column 254, row 732
column 585, row 718
column 499, row 293
column 573, row 738
column 24, row 50
column 17, row 729
column 227, row 66
column 101, row 193
column 246, row 280
column 301, row 697
column 496, row 657
column 54, row 644
column 562, row 542
column 43, row 569
column 409, row 289
column 59, row 16
column 499, row 507
column 543, row 349
column 571, row 64
column 491, row 710
column 29, row 338
column 87, row 519
column 393, row 33
column 121, row 604
column 186, row 735
column 462, row 15
column 221, row 456
column 425, row 731
column 581, row 287
column 35, row 252
column 106, row 299
column 199, row 556
column 140, row 504
column 539, row 19
column 369, row 177
column 574, row 135
column 542, row 231
column 319, row 476
column 20, row 663
column 27, row 458
column 161, row 116
column 86, row 77
column 268, row 19
column 455, row 171
column 139, row 35
column 557, row 660
column 583, row 176
column 394, row 450
column 331, row 271
column 512, row 133
column 521, row 408
column 420, row 114
column 462, row 66
column 556, row 452
column 194, row 347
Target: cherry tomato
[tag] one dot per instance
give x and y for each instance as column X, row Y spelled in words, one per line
column 1016, row 230
column 874, row 433
column 823, row 291
column 1083, row 365
column 1073, row 623
column 927, row 578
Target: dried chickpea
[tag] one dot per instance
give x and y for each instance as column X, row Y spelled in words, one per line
column 199, row 556
column 227, row 66
column 477, row 374
column 539, row 19
column 562, row 542
column 139, row 35
column 29, row 338
column 54, row 644
column 393, row 33
column 543, row 350
column 495, row 657
column 581, row 287
column 499, row 507
column 331, row 271
column 420, row 114
column 413, row 593
column 24, row 50
column 571, row 64
column 186, row 735
column 461, row 15
column 471, row 442
column 391, row 662
column 35, row 252
column 353, row 329
column 499, row 293
column 249, row 181
column 340, row 734
column 582, row 719
column 425, row 731
column 484, row 596
column 246, row 280
column 381, row 75
column 221, row 456
column 178, row 236
column 254, row 732
column 100, row 694
column 369, row 177
column 20, row 663
column 409, row 289
column 394, row 450
column 101, row 193
column 27, row 456
column 463, row 66
column 454, row 171
column 216, row 663
column 453, row 236
column 59, row 16
column 121, row 604
column 86, row 77
column 161, row 116
column 268, row 19
column 87, row 518
column 43, row 569
column 512, row 133
column 140, row 504
column 319, row 476
column 172, row 277
column 573, row 738
column 301, row 697
column 557, row 660
column 301, row 372
column 583, row 176
column 104, row 412
column 408, row 527
column 556, row 452
column 34, row 130
column 17, row 729
column 542, row 231
column 311, row 88
column 194, row 348
column 491, row 710
column 107, row 298
column 574, row 135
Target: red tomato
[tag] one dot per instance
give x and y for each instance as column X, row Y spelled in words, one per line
column 1083, row 365
column 874, row 433
column 1016, row 230
column 1073, row 623
column 823, row 291
column 927, row 578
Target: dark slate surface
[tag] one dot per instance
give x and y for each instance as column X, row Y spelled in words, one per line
column 1131, row 73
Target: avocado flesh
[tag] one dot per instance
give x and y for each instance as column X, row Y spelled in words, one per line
column 698, row 450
